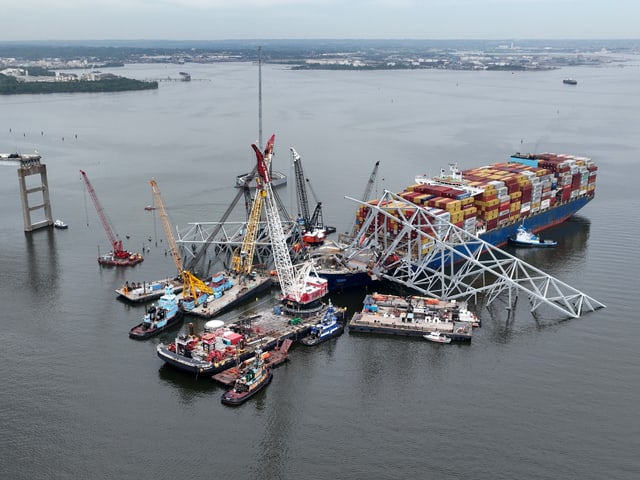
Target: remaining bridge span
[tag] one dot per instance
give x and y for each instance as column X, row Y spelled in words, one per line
column 35, row 197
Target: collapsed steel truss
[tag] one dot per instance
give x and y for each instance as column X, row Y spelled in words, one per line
column 423, row 252
column 229, row 238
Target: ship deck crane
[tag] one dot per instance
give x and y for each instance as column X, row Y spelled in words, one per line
column 300, row 289
column 348, row 238
column 193, row 287
column 116, row 244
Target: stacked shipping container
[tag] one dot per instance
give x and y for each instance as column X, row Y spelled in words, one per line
column 509, row 193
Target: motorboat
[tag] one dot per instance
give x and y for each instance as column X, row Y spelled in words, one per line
column 437, row 337
column 526, row 238
column 60, row 224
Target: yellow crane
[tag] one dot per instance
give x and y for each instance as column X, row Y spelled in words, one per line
column 242, row 262
column 194, row 291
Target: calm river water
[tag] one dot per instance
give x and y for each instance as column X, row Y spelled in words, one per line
column 535, row 399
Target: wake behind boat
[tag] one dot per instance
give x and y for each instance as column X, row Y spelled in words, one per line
column 526, row 238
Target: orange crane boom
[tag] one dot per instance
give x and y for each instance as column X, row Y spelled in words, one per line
column 116, row 243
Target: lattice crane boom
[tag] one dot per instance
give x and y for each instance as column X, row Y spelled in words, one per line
column 301, row 190
column 192, row 284
column 366, row 195
column 243, row 258
column 116, row 243
column 297, row 285
column 164, row 217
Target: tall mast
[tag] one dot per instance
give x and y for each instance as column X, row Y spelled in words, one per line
column 260, row 96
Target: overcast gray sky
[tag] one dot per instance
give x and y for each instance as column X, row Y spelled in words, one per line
column 362, row 19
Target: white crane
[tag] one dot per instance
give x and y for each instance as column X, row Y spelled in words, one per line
column 300, row 283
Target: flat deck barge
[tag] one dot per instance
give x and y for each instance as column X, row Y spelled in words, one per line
column 231, row 298
column 414, row 316
column 273, row 358
column 146, row 292
column 227, row 345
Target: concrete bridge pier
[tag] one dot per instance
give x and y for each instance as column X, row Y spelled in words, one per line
column 31, row 201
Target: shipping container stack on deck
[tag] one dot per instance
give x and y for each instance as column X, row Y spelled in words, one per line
column 510, row 193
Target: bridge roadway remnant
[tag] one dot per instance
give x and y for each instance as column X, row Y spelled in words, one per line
column 30, row 165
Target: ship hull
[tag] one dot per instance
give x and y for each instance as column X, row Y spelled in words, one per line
column 140, row 333
column 538, row 222
column 345, row 280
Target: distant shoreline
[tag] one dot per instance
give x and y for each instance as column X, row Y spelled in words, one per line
column 12, row 86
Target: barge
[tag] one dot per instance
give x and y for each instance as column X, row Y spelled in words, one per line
column 229, row 298
column 146, row 292
column 414, row 316
column 222, row 346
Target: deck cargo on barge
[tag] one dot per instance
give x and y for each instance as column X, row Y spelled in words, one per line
column 221, row 346
column 414, row 316
column 230, row 297
column 145, row 292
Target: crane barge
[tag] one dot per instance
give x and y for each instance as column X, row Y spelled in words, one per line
column 222, row 346
column 314, row 229
column 118, row 256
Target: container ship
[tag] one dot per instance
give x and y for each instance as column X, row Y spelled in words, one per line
column 537, row 190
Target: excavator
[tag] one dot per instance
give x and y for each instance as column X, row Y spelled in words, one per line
column 195, row 291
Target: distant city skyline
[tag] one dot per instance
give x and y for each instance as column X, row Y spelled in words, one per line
column 43, row 20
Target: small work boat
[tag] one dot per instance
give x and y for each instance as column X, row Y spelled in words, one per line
column 328, row 328
column 256, row 376
column 60, row 224
column 437, row 337
column 159, row 318
column 526, row 238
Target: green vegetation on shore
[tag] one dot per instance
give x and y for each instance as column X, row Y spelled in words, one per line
column 11, row 86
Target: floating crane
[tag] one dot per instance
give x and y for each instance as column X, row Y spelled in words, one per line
column 195, row 291
column 301, row 291
column 315, row 231
column 242, row 262
column 118, row 256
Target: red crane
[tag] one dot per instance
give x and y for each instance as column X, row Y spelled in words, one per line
column 119, row 256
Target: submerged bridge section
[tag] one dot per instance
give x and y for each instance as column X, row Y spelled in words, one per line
column 414, row 248
column 30, row 165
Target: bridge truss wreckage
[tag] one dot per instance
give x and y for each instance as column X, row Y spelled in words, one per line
column 206, row 244
column 452, row 263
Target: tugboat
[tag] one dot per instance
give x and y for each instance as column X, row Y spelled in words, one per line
column 158, row 318
column 257, row 376
column 328, row 328
column 526, row 238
